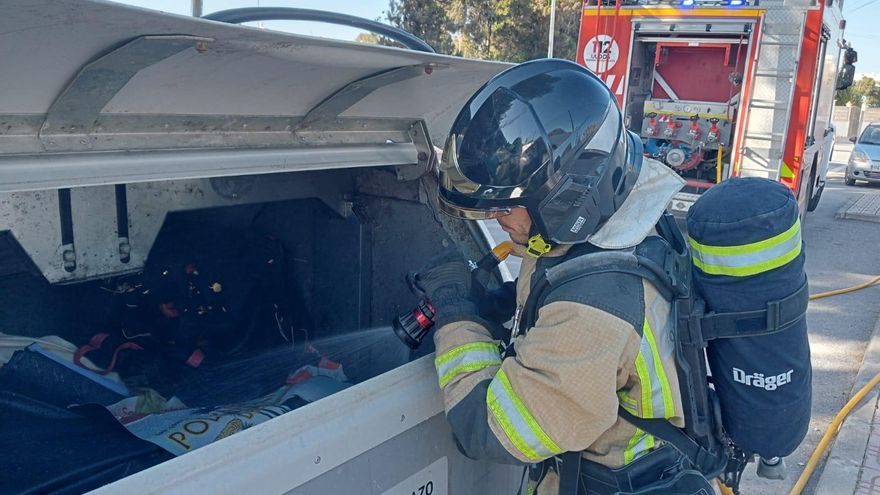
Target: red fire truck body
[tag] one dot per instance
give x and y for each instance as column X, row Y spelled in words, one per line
column 724, row 89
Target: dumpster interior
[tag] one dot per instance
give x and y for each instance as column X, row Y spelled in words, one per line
column 242, row 311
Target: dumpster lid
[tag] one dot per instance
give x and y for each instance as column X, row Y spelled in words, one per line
column 93, row 79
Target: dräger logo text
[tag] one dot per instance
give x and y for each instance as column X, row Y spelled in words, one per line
column 769, row 383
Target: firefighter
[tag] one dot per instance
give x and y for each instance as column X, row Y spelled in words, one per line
column 542, row 149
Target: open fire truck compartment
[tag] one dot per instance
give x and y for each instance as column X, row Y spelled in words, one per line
column 127, row 134
column 720, row 89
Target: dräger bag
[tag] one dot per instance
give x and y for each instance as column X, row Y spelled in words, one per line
column 746, row 246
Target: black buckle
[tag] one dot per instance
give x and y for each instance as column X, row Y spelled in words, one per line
column 773, row 315
column 689, row 314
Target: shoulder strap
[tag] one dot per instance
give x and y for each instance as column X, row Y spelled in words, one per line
column 708, row 463
column 627, row 261
column 570, row 473
column 665, row 263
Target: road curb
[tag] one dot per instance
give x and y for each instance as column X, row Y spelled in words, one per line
column 865, row 207
column 841, row 472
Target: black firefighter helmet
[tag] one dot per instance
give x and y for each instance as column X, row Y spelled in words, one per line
column 546, row 135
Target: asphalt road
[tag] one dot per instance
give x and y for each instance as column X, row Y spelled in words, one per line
column 840, row 253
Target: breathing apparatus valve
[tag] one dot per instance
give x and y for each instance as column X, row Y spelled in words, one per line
column 412, row 327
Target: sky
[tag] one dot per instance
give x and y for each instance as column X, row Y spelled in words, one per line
column 863, row 19
column 369, row 9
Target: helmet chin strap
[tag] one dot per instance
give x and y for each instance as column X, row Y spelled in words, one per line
column 537, row 246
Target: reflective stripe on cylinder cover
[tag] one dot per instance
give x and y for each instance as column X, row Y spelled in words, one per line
column 746, row 246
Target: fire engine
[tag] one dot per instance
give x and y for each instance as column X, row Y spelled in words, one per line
column 729, row 88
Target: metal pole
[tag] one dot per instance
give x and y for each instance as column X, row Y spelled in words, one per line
column 552, row 28
column 197, row 8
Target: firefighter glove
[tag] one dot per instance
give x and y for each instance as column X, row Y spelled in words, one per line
column 447, row 286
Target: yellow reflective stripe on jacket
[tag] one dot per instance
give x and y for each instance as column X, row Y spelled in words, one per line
column 656, row 393
column 748, row 259
column 639, row 444
column 466, row 358
column 659, row 375
column 627, row 402
column 645, row 381
column 517, row 422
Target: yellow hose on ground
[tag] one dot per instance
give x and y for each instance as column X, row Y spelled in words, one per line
column 844, row 291
column 843, row 413
column 829, row 435
column 838, row 419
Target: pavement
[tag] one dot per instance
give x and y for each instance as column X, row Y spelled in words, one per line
column 853, row 464
column 844, row 339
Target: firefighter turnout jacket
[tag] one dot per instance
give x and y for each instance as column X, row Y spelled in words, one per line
column 598, row 342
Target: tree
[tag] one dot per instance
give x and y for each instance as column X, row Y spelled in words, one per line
column 865, row 90
column 520, row 31
column 568, row 24
column 427, row 19
column 472, row 25
column 509, row 30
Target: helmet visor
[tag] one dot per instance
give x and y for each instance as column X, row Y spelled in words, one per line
column 498, row 151
column 465, row 213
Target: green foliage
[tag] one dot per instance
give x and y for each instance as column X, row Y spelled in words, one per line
column 865, row 90
column 426, row 19
column 509, row 30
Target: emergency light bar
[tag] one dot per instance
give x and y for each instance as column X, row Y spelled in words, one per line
column 681, row 3
column 712, row 3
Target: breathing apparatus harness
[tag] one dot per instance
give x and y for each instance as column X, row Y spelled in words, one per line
column 509, row 148
column 664, row 261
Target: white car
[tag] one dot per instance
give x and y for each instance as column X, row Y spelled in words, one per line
column 864, row 162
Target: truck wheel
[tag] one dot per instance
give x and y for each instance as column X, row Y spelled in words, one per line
column 849, row 182
column 814, row 201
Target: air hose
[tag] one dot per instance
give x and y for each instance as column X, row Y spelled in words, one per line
column 838, row 419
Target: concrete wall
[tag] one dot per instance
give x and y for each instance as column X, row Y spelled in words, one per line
column 846, row 121
column 850, row 121
column 868, row 116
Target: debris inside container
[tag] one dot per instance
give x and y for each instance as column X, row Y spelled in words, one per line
column 221, row 330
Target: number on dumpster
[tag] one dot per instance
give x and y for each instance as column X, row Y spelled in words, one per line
column 430, row 480
column 426, row 489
